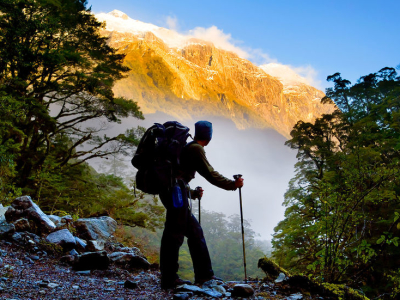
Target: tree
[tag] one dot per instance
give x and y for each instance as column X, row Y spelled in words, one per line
column 341, row 221
column 58, row 72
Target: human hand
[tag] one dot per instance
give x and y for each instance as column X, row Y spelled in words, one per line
column 239, row 182
column 200, row 192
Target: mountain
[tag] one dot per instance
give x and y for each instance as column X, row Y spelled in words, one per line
column 191, row 78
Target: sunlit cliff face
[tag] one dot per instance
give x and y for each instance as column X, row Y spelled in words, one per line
column 190, row 78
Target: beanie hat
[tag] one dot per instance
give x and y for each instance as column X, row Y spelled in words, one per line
column 203, row 130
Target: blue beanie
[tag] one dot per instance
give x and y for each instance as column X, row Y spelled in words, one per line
column 203, row 130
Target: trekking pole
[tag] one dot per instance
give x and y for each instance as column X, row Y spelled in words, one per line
column 197, row 189
column 241, row 219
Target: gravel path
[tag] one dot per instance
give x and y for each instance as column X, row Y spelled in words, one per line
column 27, row 276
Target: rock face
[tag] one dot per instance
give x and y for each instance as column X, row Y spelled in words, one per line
column 196, row 79
column 95, row 228
column 24, row 207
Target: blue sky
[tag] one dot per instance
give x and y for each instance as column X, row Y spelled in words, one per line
column 319, row 37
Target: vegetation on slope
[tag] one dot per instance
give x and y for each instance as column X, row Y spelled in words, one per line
column 342, row 219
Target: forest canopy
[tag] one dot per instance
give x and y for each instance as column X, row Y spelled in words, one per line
column 342, row 218
column 56, row 78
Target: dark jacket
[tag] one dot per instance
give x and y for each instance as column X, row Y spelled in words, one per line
column 193, row 159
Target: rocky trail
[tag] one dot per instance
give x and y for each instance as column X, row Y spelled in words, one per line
column 50, row 257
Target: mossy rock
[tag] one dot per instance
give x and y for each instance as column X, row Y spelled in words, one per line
column 271, row 268
column 343, row 292
column 305, row 285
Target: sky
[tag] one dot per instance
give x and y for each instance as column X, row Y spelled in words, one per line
column 314, row 38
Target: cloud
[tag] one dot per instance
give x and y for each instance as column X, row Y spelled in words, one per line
column 290, row 75
column 219, row 39
column 172, row 23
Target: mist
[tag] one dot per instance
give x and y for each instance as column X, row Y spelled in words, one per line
column 260, row 156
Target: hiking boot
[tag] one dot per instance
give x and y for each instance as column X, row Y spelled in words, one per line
column 165, row 285
column 204, row 280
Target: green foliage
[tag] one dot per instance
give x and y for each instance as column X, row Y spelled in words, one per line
column 56, row 79
column 342, row 211
column 57, row 73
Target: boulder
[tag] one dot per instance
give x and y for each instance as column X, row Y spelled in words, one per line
column 198, row 291
column 66, row 219
column 92, row 261
column 132, row 260
column 95, row 228
column 80, row 244
column 2, row 212
column 62, row 237
column 24, row 207
column 281, row 278
column 6, row 229
column 22, row 225
column 68, row 259
column 95, row 245
column 242, row 290
column 55, row 219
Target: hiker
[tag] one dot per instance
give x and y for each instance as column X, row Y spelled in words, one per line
column 180, row 221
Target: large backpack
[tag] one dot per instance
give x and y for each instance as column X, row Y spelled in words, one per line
column 157, row 156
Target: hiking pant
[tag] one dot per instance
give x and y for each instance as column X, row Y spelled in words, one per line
column 180, row 223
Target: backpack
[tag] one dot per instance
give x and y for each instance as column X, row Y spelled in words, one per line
column 157, row 156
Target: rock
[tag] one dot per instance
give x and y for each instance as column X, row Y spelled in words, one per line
column 29, row 260
column 271, row 268
column 218, row 288
column 242, row 290
column 181, row 296
column 25, row 207
column 22, row 225
column 296, row 296
column 95, row 245
column 198, row 290
column 62, row 237
column 95, row 228
column 68, row 259
column 66, row 219
column 80, row 244
column 280, row 278
column 2, row 212
column 17, row 237
column 31, row 236
column 6, row 229
column 130, row 284
column 92, row 261
column 83, row 273
column 55, row 219
column 134, row 261
column 134, row 250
